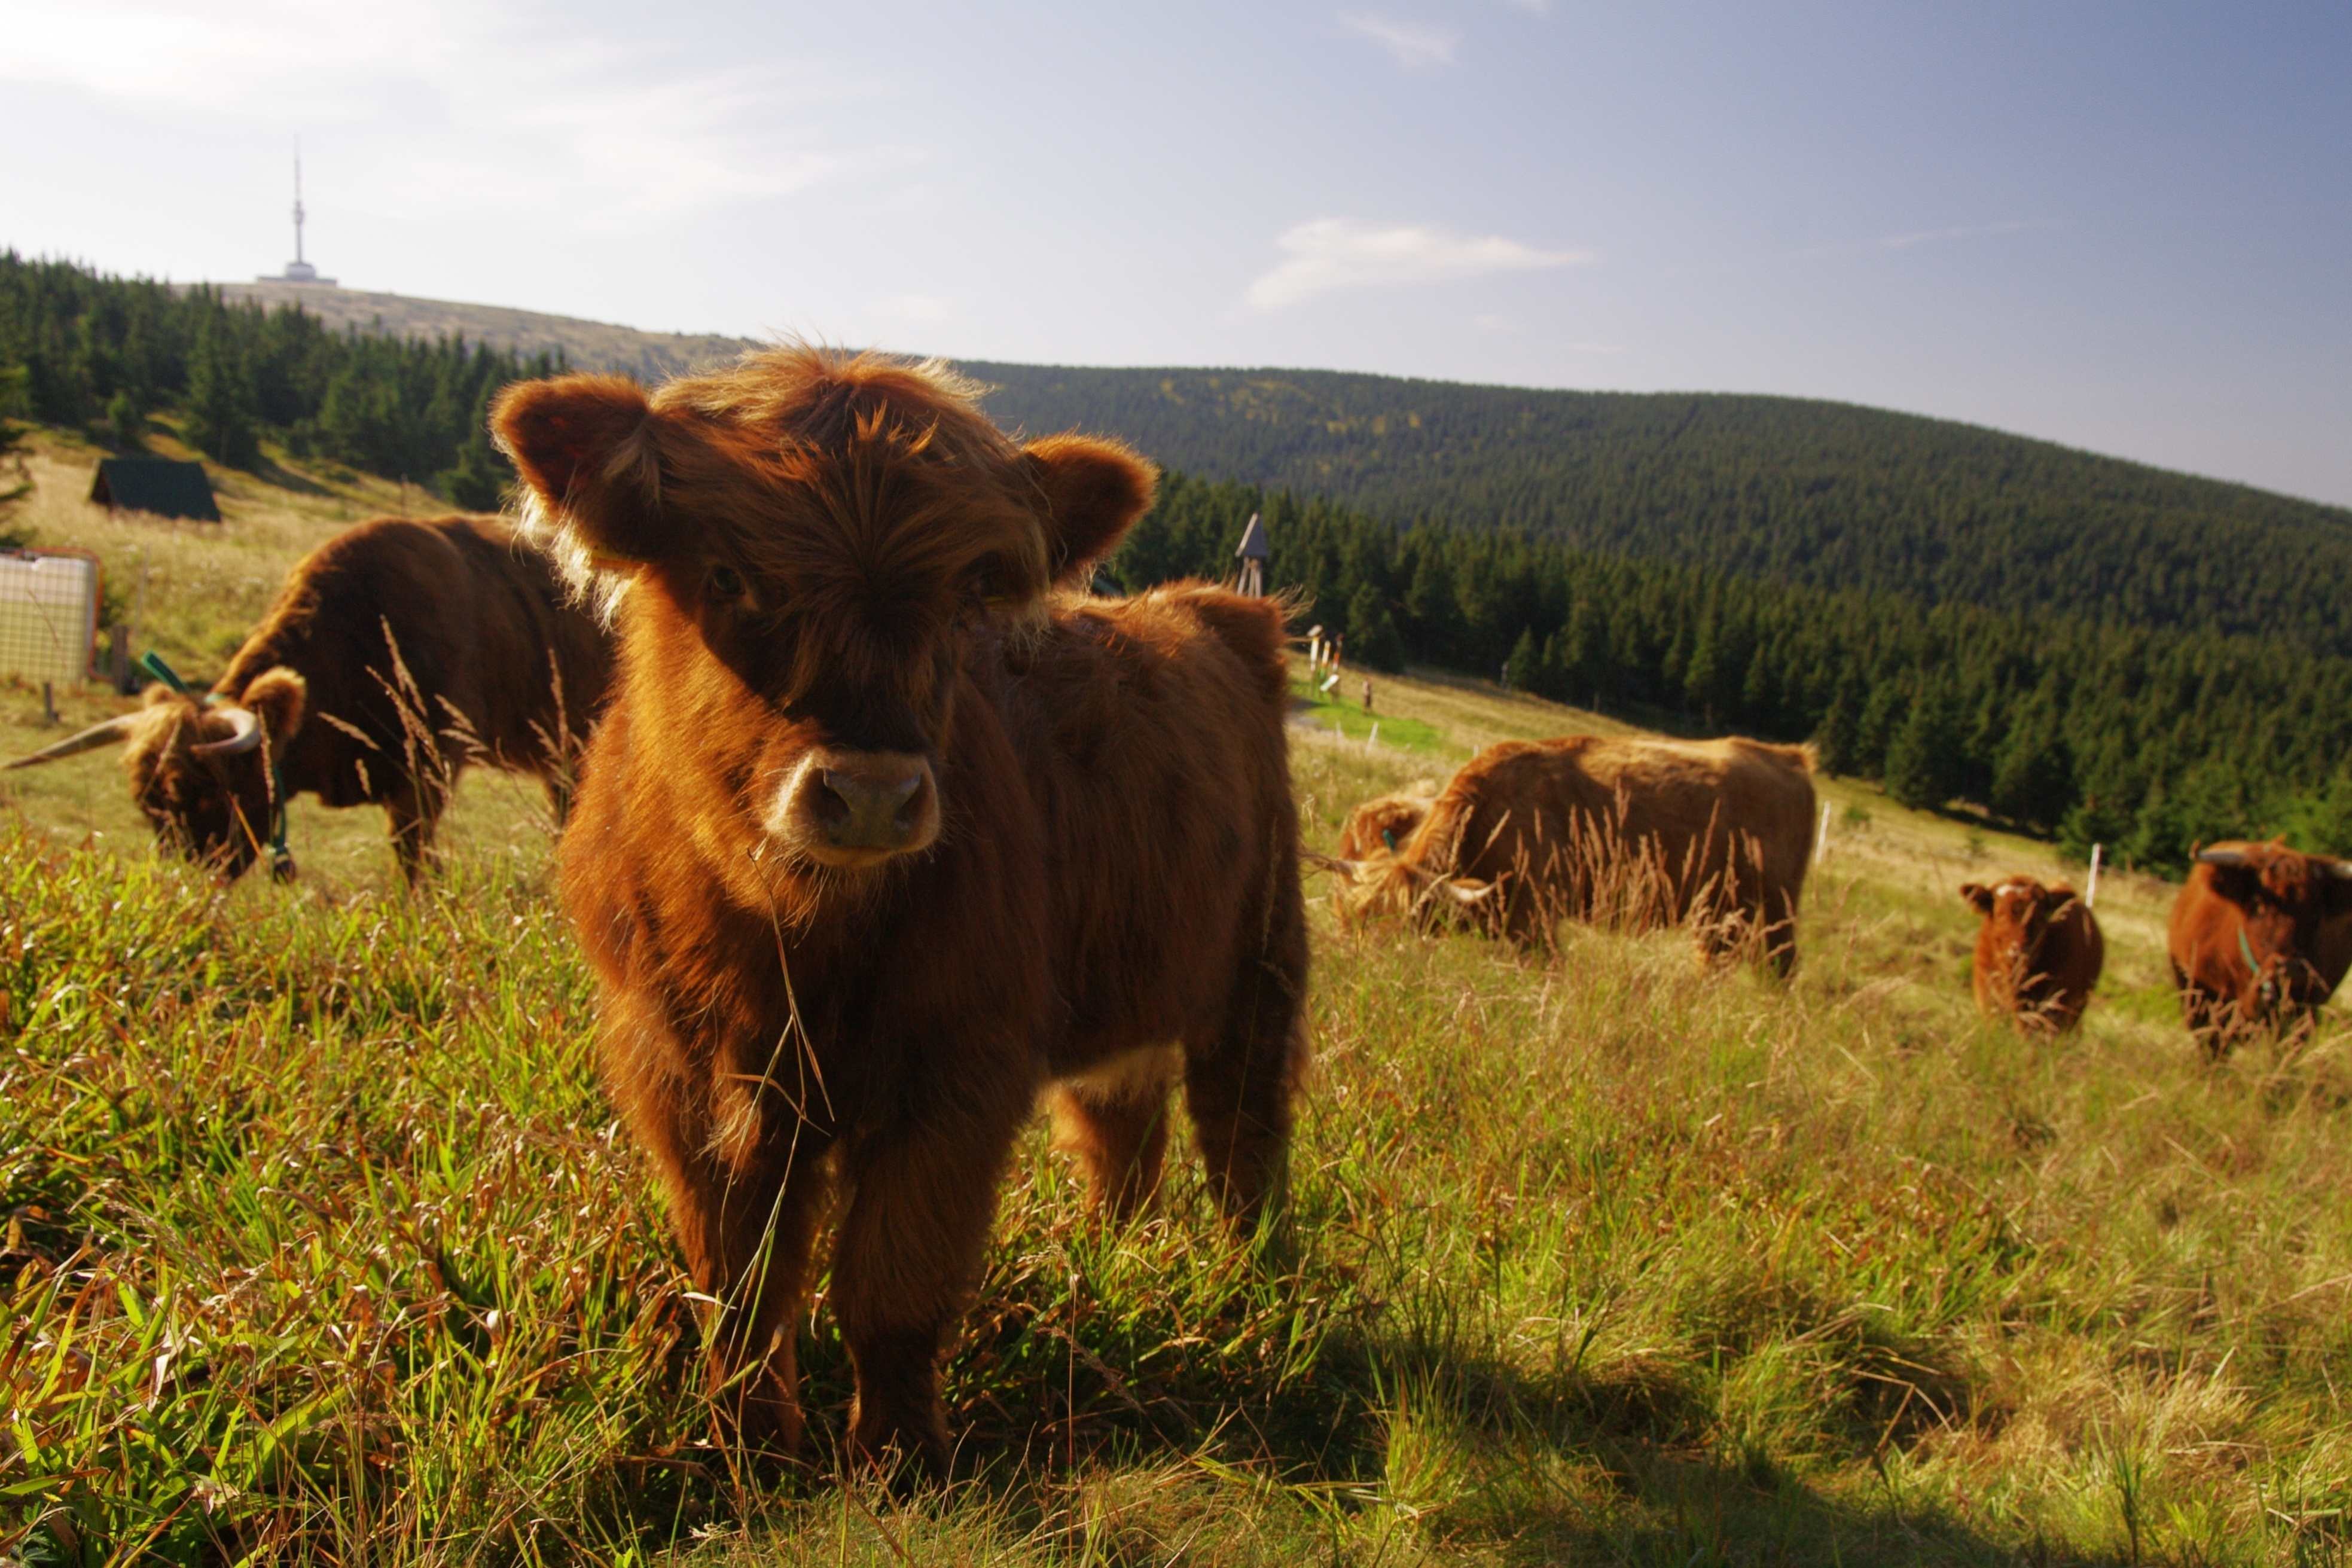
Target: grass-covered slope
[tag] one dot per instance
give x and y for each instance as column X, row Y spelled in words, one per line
column 321, row 1246
column 1828, row 494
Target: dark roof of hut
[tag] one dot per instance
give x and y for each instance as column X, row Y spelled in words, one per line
column 163, row 486
column 1253, row 544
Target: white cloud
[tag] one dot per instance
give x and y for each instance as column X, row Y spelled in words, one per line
column 477, row 107
column 1933, row 236
column 1342, row 253
column 1410, row 44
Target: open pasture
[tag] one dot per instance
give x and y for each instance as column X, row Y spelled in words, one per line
column 321, row 1243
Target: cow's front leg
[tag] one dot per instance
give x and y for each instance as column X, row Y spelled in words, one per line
column 747, row 1191
column 924, row 1197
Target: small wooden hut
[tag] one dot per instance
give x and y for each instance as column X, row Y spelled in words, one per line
column 1253, row 555
column 163, row 486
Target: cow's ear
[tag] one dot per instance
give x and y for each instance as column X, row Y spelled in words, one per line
column 279, row 696
column 1980, row 897
column 1094, row 490
column 584, row 445
column 2336, row 886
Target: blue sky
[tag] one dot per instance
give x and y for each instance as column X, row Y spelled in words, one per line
column 2123, row 226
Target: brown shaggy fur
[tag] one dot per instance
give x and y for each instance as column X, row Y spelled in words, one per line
column 398, row 653
column 2038, row 954
column 1382, row 824
column 1637, row 832
column 834, row 570
column 2290, row 913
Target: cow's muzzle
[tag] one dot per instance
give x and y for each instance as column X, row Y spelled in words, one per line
column 858, row 808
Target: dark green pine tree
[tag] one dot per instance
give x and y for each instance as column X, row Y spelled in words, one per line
column 1922, row 759
column 1839, row 739
column 1521, row 671
column 477, row 482
column 1372, row 640
column 126, row 422
column 220, row 404
column 2033, row 772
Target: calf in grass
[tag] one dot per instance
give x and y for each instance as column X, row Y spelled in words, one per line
column 889, row 829
column 399, row 653
column 2037, row 953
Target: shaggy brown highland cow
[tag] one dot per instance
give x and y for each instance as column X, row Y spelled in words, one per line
column 2260, row 935
column 398, row 654
column 1628, row 832
column 2038, row 954
column 889, row 828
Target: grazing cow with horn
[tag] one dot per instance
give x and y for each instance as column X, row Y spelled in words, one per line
column 398, row 652
column 2038, row 954
column 1627, row 831
column 2260, row 935
column 889, row 827
column 1382, row 824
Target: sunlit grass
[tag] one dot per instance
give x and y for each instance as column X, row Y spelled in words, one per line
column 321, row 1245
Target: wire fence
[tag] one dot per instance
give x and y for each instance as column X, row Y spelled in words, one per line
column 48, row 616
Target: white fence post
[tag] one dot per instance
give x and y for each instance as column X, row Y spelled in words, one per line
column 2091, row 893
column 1822, row 839
column 1373, row 739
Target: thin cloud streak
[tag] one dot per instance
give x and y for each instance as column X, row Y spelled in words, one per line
column 1331, row 253
column 1884, row 243
column 1965, row 231
column 1410, row 44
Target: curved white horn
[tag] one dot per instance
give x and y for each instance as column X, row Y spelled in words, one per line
column 1317, row 862
column 2339, row 869
column 2222, row 857
column 245, row 734
column 89, row 740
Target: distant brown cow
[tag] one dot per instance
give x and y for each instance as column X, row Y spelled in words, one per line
column 2260, row 935
column 884, row 832
column 2039, row 953
column 1382, row 824
column 398, row 653
column 1639, row 832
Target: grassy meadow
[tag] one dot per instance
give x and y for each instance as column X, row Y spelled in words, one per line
column 319, row 1243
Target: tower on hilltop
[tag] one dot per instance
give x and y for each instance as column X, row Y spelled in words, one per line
column 297, row 270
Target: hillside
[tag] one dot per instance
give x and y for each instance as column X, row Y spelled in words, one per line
column 1826, row 494
column 585, row 346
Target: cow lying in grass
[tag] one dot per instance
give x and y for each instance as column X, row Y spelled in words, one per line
column 1634, row 833
column 885, row 832
column 2260, row 935
column 399, row 653
column 2038, row 954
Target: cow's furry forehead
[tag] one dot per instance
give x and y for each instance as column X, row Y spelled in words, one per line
column 830, row 472
column 834, row 476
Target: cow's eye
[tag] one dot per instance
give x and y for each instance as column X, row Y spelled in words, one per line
column 987, row 584
column 725, row 582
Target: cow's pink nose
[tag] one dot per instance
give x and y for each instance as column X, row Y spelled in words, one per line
column 858, row 808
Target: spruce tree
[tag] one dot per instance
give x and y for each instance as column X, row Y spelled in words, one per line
column 1372, row 640
column 220, row 407
column 1521, row 670
column 1921, row 759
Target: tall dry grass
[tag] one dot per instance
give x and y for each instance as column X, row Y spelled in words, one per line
column 318, row 1243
